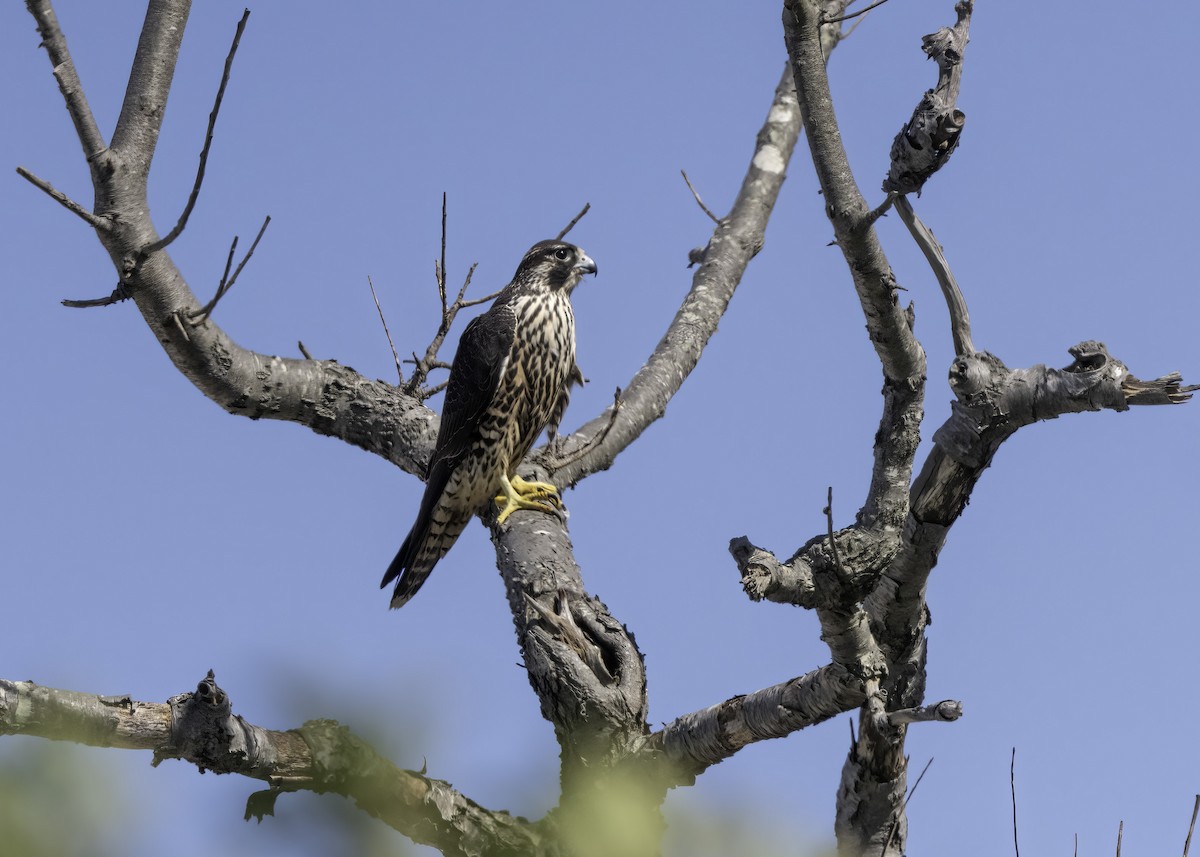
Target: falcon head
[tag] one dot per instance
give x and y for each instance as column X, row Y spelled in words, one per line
column 553, row 265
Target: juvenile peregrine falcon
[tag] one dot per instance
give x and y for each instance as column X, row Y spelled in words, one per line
column 511, row 378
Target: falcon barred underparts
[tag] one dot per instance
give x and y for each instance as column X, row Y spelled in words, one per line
column 510, row 379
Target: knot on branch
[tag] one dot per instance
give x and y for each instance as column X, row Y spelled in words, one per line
column 846, row 566
column 930, row 136
column 200, row 728
column 973, row 374
column 823, row 573
column 762, row 574
column 1090, row 356
column 560, row 622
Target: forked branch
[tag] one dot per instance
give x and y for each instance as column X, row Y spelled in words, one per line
column 227, row 281
column 208, row 138
column 328, row 398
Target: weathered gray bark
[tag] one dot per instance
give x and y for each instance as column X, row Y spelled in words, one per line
column 866, row 582
column 582, row 662
column 199, row 727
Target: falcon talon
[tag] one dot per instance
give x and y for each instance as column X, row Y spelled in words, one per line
column 510, row 380
column 536, row 490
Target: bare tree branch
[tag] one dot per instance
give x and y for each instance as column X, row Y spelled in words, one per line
column 321, row 756
column 145, row 104
column 93, row 220
column 227, row 281
column 735, row 241
column 946, row 711
column 55, row 44
column 1012, row 782
column 904, row 806
column 1187, row 844
column 587, row 206
column 328, row 398
column 889, row 326
column 699, row 201
column 928, row 139
column 386, row 332
column 208, row 138
column 429, row 362
column 694, row 742
column 120, row 293
column 590, row 680
column 862, row 11
column 960, row 319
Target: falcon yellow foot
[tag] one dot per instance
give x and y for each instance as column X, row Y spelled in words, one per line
column 519, row 494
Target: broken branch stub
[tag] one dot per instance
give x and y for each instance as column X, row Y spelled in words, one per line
column 927, row 140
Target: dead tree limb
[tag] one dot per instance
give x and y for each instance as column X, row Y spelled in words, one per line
column 199, row 727
column 328, row 398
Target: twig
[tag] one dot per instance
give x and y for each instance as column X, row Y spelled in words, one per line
column 429, row 392
column 120, row 293
column 197, row 316
column 960, row 319
column 440, row 269
column 593, row 441
column 699, row 201
column 424, row 365
column 848, row 33
column 303, row 350
column 904, row 806
column 208, row 138
column 882, row 208
column 477, row 301
column 1191, row 827
column 93, row 220
column 1120, row 835
column 853, row 14
column 429, row 362
column 578, row 217
column 913, row 790
column 388, row 333
column 828, row 512
column 1012, row 783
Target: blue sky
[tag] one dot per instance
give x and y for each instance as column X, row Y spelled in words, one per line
column 149, row 536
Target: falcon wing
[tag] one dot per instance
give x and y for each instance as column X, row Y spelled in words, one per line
column 479, row 365
column 475, row 376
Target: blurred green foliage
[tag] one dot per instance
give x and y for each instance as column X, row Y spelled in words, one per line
column 56, row 800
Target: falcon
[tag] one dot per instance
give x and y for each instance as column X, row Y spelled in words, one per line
column 510, row 379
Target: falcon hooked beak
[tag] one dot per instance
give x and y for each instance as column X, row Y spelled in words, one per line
column 585, row 265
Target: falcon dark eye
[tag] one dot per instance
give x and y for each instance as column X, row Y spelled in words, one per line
column 562, row 253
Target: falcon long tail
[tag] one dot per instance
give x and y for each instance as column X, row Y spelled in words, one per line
column 427, row 542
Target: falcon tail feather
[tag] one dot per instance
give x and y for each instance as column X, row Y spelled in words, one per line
column 416, row 558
